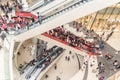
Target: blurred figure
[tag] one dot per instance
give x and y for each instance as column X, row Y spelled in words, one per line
column 40, row 17
column 108, row 56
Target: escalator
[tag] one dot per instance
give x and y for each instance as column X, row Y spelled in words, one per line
column 44, row 8
column 60, row 44
column 70, row 13
column 41, row 65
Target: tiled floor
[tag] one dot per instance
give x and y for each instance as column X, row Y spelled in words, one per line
column 65, row 69
column 91, row 75
column 70, row 71
column 108, row 64
column 111, row 46
column 114, row 40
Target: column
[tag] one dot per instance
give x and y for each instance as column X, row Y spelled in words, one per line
column 11, row 59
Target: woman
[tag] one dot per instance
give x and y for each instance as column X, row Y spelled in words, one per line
column 4, row 27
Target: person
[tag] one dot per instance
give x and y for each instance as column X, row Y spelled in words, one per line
column 92, row 63
column 0, row 46
column 33, row 20
column 70, row 52
column 4, row 27
column 18, row 53
column 117, row 52
column 39, row 18
column 3, row 35
column 101, row 45
column 58, row 78
column 116, row 64
column 68, row 58
column 108, row 56
column 21, row 66
column 46, row 76
column 102, row 78
column 18, row 26
column 55, row 66
column 73, row 56
column 100, row 67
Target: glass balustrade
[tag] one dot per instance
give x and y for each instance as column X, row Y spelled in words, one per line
column 40, row 4
column 56, row 53
column 70, row 7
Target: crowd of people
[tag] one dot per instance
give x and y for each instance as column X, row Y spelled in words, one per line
column 76, row 41
column 108, row 56
column 80, row 27
column 81, row 42
column 61, row 33
column 7, row 7
column 68, row 58
column 42, row 61
column 8, row 22
column 15, row 23
column 101, row 68
column 40, row 57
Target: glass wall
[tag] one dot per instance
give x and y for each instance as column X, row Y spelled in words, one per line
column 104, row 20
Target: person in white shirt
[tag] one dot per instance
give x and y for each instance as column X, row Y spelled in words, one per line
column 18, row 26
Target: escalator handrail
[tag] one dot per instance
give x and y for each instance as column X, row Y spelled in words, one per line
column 49, row 64
column 39, row 6
column 49, row 17
column 32, row 70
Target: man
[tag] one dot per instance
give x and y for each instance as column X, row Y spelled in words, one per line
column 39, row 17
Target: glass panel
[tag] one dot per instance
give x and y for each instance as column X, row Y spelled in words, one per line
column 108, row 12
column 102, row 11
column 115, row 13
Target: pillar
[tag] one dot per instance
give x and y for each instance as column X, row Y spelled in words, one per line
column 11, row 59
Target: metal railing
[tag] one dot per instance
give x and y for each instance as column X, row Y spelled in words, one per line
column 29, row 74
column 40, row 4
column 50, row 17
